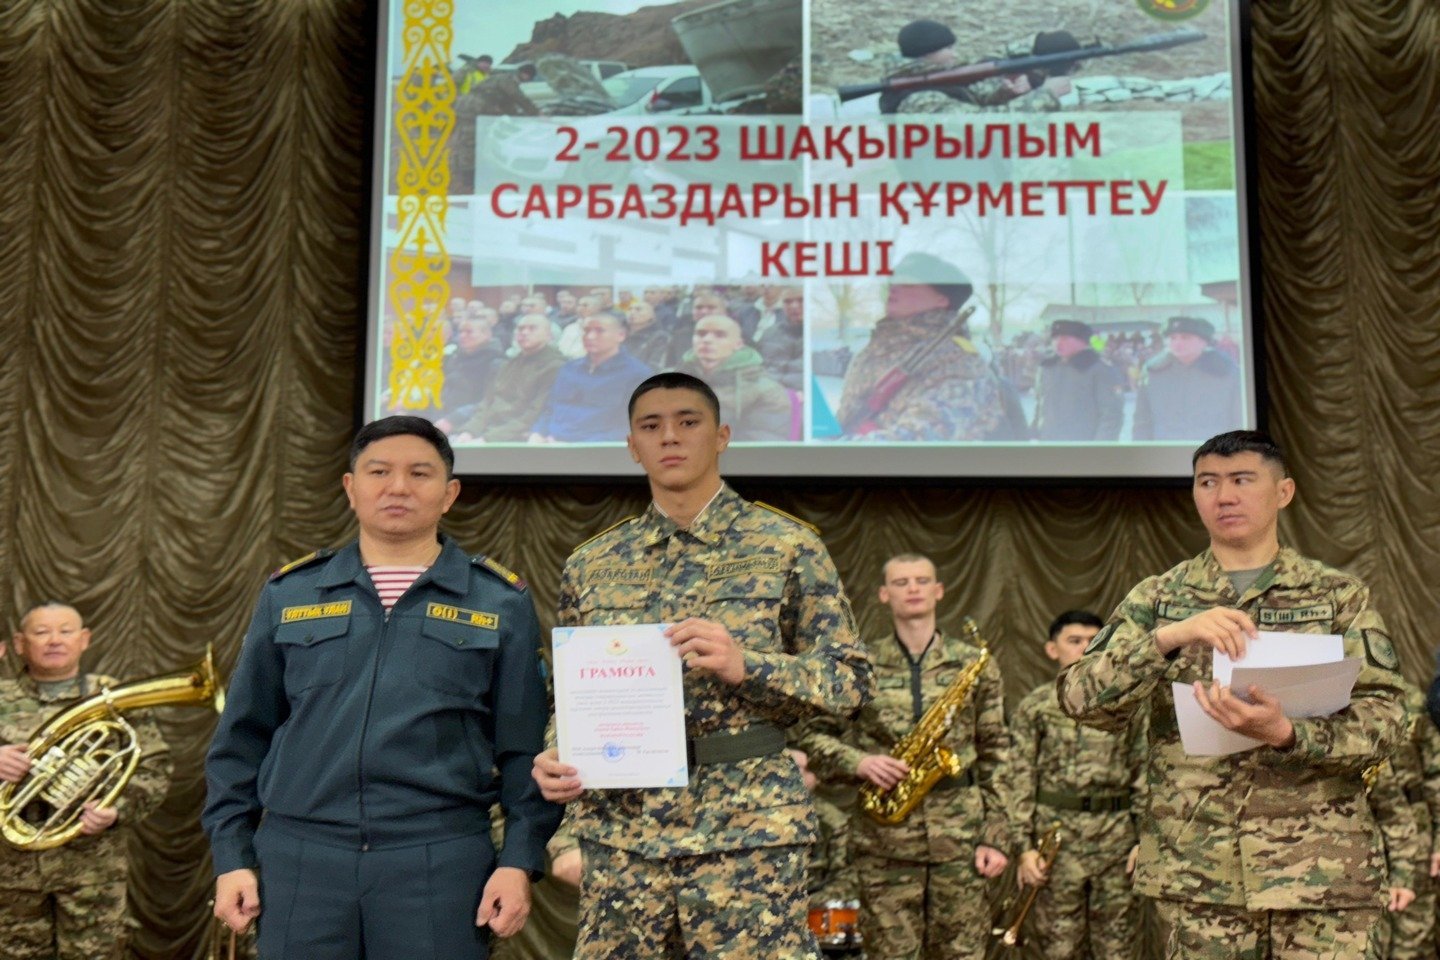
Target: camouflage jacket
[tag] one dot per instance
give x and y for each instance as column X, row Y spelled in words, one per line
column 24, row 707
column 951, row 394
column 1051, row 752
column 1417, row 770
column 949, row 823
column 1403, row 844
column 768, row 580
column 1265, row 829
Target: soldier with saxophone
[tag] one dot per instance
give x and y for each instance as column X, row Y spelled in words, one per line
column 68, row 903
column 1089, row 781
column 922, row 880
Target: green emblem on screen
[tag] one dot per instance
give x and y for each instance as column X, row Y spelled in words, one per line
column 1173, row 9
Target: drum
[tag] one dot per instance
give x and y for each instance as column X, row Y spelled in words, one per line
column 836, row 923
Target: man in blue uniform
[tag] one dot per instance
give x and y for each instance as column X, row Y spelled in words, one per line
column 387, row 694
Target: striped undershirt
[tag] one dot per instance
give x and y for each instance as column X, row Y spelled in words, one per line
column 392, row 582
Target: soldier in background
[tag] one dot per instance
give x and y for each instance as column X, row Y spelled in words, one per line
column 1403, row 852
column 756, row 407
column 1091, row 783
column 1191, row 390
column 1271, row 851
column 520, row 389
column 68, row 903
column 930, row 47
column 648, row 340
column 1078, row 396
column 715, row 869
column 922, row 882
column 949, row 392
column 1417, row 773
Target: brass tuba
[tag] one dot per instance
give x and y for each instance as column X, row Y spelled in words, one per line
column 1009, row 933
column 923, row 749
column 87, row 752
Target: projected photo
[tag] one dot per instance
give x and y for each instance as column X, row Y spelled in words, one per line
column 991, row 239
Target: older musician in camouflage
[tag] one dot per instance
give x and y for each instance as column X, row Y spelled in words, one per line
column 68, row 903
column 922, row 881
column 1090, row 782
column 715, row 869
column 1271, row 852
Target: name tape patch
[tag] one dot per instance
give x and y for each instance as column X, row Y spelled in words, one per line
column 742, row 567
column 1320, row 611
column 315, row 611
column 618, row 575
column 475, row 618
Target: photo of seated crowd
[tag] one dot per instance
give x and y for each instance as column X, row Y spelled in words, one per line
column 548, row 365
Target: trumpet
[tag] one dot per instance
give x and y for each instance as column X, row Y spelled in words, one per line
column 1008, row 934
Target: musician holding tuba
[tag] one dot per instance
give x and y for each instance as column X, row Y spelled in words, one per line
column 922, row 879
column 67, row 902
column 1090, row 782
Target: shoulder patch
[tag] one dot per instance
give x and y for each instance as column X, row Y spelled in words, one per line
column 1099, row 641
column 304, row 561
column 500, row 570
column 613, row 526
column 1380, row 651
column 788, row 516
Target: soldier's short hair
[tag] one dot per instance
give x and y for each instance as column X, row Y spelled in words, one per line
column 49, row 605
column 403, row 426
column 906, row 558
column 674, row 380
column 1237, row 442
column 1071, row 618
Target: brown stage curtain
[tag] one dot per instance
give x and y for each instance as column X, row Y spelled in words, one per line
column 182, row 201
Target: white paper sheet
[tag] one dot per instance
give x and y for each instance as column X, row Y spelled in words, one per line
column 1273, row 649
column 620, row 706
column 1311, row 690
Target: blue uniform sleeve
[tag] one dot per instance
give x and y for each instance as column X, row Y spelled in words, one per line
column 255, row 705
column 519, row 709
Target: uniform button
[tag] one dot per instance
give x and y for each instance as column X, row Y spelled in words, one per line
column 364, row 848
column 460, row 642
column 310, row 638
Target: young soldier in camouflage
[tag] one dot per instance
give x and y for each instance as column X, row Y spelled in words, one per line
column 922, row 882
column 1272, row 851
column 68, row 903
column 715, row 869
column 1083, row 779
column 1403, row 850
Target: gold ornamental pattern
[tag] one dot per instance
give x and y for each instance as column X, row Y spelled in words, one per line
column 419, row 285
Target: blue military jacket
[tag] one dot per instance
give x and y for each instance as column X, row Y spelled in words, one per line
column 352, row 728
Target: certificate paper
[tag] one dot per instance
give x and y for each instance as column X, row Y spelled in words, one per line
column 620, row 706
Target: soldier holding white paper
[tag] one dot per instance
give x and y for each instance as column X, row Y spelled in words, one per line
column 1272, row 851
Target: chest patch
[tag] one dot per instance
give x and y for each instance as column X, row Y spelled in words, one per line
column 315, row 611
column 635, row 575
column 475, row 618
column 742, row 567
column 1311, row 614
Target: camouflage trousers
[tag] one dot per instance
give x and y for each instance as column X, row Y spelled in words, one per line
column 1077, row 907
column 736, row 905
column 1410, row 934
column 71, row 921
column 1203, row 931
column 908, row 910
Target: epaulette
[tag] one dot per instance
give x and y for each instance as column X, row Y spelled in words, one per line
column 304, row 561
column 964, row 344
column 605, row 531
column 500, row 570
column 789, row 516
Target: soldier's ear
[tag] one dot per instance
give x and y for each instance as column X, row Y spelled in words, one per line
column 1287, row 491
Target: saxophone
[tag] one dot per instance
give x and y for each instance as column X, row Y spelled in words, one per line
column 88, row 752
column 923, row 749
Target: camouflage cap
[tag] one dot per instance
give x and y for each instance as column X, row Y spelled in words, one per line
column 919, row 37
column 1071, row 328
column 1195, row 326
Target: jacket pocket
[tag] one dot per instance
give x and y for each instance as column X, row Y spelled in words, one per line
column 314, row 651
column 456, row 658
